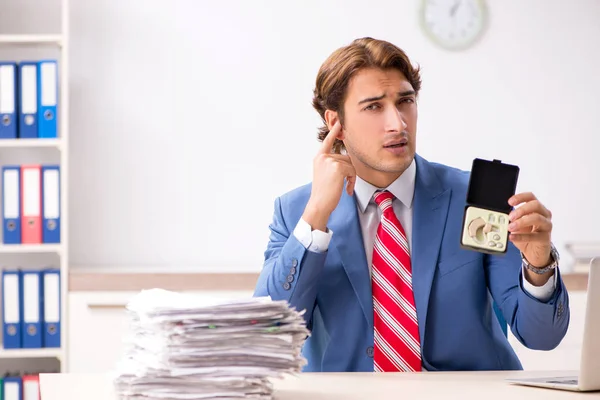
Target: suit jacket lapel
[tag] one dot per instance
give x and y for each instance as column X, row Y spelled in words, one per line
column 348, row 242
column 429, row 217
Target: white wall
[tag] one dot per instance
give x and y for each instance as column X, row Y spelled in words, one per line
column 191, row 110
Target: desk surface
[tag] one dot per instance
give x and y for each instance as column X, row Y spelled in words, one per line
column 349, row 386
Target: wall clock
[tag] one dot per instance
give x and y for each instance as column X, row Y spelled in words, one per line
column 454, row 24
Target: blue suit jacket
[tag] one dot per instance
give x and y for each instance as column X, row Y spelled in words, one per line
column 454, row 288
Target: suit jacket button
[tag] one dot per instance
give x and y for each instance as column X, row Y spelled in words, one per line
column 293, row 271
column 290, row 278
column 294, row 263
column 287, row 286
column 370, row 351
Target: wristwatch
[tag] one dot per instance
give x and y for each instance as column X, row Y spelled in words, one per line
column 555, row 258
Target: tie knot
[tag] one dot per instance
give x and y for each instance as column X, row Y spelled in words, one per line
column 383, row 199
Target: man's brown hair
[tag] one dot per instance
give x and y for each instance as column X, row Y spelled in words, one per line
column 335, row 74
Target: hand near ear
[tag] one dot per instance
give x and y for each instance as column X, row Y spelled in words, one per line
column 330, row 172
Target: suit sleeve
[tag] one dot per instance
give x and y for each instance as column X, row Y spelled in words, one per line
column 539, row 324
column 290, row 271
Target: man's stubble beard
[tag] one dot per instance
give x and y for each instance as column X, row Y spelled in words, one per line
column 396, row 168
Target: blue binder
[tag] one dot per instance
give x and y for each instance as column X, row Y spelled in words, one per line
column 51, row 203
column 52, row 306
column 47, row 98
column 31, row 327
column 28, row 100
column 12, row 308
column 13, row 388
column 11, row 204
column 8, row 100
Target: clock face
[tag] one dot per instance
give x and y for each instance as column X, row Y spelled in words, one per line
column 454, row 24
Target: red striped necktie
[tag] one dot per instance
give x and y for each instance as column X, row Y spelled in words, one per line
column 397, row 346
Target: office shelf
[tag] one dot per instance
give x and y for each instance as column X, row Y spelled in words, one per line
column 30, row 248
column 30, row 143
column 30, row 39
column 14, row 256
column 31, row 353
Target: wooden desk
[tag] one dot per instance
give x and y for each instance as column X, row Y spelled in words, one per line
column 351, row 386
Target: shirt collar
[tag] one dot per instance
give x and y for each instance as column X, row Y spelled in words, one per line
column 402, row 188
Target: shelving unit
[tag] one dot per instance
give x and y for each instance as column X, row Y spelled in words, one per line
column 31, row 248
column 31, row 143
column 15, row 358
column 31, row 353
column 17, row 40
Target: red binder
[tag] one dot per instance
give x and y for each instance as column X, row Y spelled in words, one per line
column 31, row 204
column 31, row 387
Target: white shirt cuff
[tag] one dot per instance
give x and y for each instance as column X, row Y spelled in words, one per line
column 542, row 293
column 313, row 240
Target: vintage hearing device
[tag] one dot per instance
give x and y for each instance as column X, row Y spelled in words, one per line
column 485, row 223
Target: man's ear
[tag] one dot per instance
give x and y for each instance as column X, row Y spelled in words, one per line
column 331, row 118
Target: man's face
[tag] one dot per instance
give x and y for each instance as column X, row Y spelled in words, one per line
column 380, row 123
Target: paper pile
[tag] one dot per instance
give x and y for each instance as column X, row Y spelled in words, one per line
column 181, row 347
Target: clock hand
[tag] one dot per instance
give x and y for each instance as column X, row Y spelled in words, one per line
column 454, row 8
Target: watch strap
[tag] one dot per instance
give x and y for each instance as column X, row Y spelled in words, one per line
column 542, row 270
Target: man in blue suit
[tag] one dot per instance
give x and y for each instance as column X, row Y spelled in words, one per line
column 320, row 254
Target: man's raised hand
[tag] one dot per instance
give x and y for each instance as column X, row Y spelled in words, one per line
column 330, row 172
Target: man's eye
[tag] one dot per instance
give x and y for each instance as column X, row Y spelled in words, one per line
column 372, row 106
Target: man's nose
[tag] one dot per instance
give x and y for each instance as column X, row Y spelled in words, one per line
column 395, row 120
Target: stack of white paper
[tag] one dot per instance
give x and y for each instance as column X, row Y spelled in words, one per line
column 180, row 347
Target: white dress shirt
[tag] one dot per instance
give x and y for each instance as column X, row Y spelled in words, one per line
column 369, row 213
